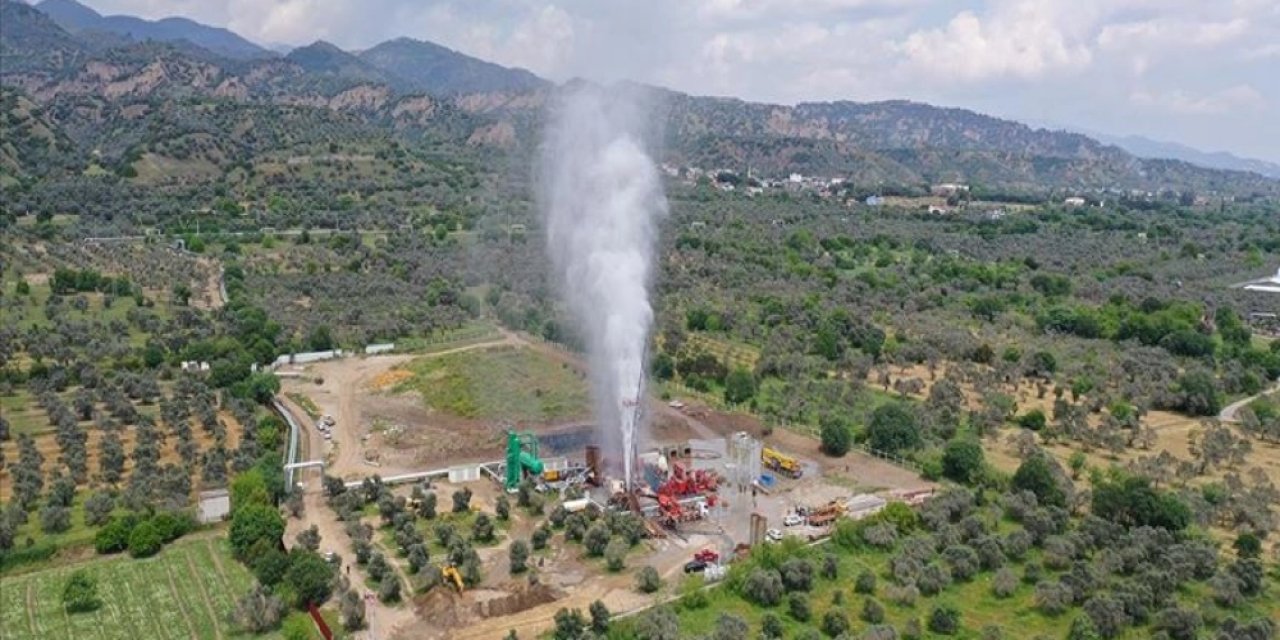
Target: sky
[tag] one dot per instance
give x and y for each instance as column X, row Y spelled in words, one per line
column 1198, row 72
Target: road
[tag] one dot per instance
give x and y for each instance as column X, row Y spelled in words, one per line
column 1229, row 412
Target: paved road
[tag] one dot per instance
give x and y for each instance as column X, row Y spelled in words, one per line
column 1229, row 412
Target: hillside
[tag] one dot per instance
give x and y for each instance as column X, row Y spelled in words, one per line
column 75, row 17
column 430, row 68
column 386, row 88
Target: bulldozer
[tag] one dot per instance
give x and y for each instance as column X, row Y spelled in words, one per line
column 451, row 573
column 781, row 463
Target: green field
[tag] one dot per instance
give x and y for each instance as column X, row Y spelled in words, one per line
column 507, row 383
column 187, row 590
column 1016, row 616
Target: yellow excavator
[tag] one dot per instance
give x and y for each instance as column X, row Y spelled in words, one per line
column 781, row 463
column 451, row 572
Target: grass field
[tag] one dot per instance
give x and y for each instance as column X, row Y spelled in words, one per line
column 508, row 383
column 185, row 591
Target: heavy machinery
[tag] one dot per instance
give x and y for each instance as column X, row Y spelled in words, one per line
column 683, row 483
column 522, row 458
column 451, row 573
column 826, row 514
column 781, row 463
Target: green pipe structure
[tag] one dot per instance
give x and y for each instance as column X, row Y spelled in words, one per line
column 522, row 457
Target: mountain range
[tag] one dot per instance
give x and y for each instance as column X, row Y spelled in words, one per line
column 80, row 74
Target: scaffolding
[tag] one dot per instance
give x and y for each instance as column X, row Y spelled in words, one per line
column 744, row 460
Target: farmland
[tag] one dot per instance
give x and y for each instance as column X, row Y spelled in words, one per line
column 187, row 590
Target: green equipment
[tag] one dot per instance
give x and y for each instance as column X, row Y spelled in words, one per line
column 522, row 456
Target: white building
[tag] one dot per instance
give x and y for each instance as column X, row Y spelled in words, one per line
column 1074, row 202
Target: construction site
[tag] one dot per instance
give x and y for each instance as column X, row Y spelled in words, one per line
column 708, row 486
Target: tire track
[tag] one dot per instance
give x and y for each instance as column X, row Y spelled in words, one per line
column 195, row 577
column 177, row 597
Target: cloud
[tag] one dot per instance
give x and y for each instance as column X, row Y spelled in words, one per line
column 1022, row 40
column 1236, row 100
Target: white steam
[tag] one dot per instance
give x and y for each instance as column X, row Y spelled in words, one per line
column 602, row 199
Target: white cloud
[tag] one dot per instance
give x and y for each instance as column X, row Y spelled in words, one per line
column 1022, row 39
column 1237, row 100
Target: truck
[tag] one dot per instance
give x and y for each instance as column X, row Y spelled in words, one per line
column 781, row 463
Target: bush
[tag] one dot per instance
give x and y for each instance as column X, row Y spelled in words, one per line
column 309, row 578
column 145, row 540
column 763, row 587
column 482, row 530
column 865, row 583
column 80, row 593
column 798, row 607
column 835, row 623
column 519, row 554
column 257, row 611
column 893, row 429
column 1004, row 583
column 872, row 611
column 596, row 539
column 615, row 554
column 113, row 537
column 836, row 436
column 648, row 580
column 462, row 500
column 771, row 627
column 944, row 620
column 962, row 461
column 797, row 574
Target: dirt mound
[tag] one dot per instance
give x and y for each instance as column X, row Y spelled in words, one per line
column 515, row 602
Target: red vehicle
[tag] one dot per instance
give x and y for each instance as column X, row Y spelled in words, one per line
column 708, row 556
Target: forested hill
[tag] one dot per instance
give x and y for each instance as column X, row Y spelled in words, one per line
column 113, row 102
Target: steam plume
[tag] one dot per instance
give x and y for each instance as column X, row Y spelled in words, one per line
column 602, row 198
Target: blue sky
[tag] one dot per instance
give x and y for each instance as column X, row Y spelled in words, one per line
column 1199, row 72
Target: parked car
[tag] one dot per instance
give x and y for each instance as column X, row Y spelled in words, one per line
column 792, row 520
column 695, row 566
column 773, row 535
column 706, row 555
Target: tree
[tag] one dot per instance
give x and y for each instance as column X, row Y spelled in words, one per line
column 798, row 607
column 865, row 583
column 963, row 461
column 482, row 530
column 1248, row 545
column 258, row 611
column 98, row 508
column 599, row 617
column 797, row 574
column 145, row 540
column 389, row 588
column 1004, row 583
column 309, row 577
column 835, row 623
column 352, row 609
column 1036, row 475
column 55, row 518
column 1179, row 623
column 659, row 623
column 837, row 437
column 462, row 500
column 309, row 538
column 80, row 593
column 427, row 506
column 615, row 553
column 1199, row 393
column 893, row 429
column 519, row 554
column 540, row 537
column 596, row 539
column 252, row 523
column 569, row 625
column 502, row 507
column 771, row 627
column 739, row 386
column 648, row 580
column 944, row 620
column 763, row 587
